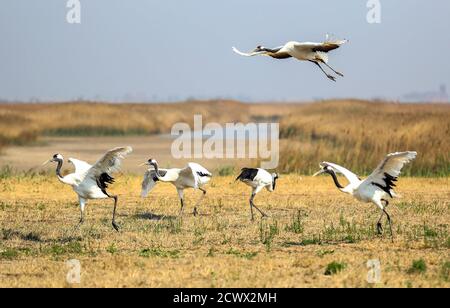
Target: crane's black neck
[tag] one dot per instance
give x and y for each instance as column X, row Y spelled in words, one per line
column 158, row 175
column 58, row 168
column 335, row 179
column 275, row 178
column 272, row 50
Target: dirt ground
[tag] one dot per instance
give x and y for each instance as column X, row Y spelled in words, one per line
column 315, row 236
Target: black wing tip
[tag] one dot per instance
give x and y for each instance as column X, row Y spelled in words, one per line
column 247, row 174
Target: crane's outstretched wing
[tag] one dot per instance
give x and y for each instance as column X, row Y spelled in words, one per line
column 250, row 54
column 351, row 177
column 195, row 175
column 387, row 173
column 81, row 167
column 110, row 162
column 150, row 181
column 326, row 46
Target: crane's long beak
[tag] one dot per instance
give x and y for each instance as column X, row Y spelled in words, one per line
column 46, row 163
column 319, row 173
column 144, row 164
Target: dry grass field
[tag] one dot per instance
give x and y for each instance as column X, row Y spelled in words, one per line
column 357, row 134
column 315, row 236
column 312, row 229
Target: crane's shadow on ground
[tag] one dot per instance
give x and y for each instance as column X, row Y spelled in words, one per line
column 154, row 217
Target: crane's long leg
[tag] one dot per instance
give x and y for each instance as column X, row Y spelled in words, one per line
column 199, row 201
column 181, row 195
column 326, row 74
column 390, row 224
column 379, row 225
column 82, row 208
column 253, row 205
column 338, row 73
column 115, row 226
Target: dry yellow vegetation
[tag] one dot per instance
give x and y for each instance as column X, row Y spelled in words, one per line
column 356, row 134
column 359, row 134
column 312, row 228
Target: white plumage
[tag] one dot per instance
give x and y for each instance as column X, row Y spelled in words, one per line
column 192, row 176
column 257, row 179
column 316, row 53
column 376, row 188
column 91, row 181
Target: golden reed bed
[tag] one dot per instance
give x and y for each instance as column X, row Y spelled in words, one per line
column 356, row 134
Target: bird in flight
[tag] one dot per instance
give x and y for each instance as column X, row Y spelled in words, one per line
column 316, row 53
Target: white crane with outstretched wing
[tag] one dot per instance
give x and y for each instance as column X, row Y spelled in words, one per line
column 376, row 188
column 316, row 53
column 91, row 181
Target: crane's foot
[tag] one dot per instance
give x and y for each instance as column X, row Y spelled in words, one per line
column 115, row 226
column 380, row 228
column 340, row 74
column 332, row 78
column 80, row 223
column 195, row 212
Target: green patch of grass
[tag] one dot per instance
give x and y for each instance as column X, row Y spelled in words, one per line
column 335, row 268
column 158, row 252
column 9, row 254
column 305, row 242
column 211, row 253
column 112, row 249
column 72, row 248
column 445, row 271
column 267, row 233
column 447, row 243
column 57, row 250
column 6, row 172
column 429, row 232
column 245, row 255
column 226, row 171
column 296, row 226
column 4, row 206
column 323, row 253
column 418, row 267
column 175, row 226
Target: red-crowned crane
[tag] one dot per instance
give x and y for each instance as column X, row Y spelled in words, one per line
column 192, row 176
column 258, row 179
column 378, row 187
column 316, row 53
column 91, row 182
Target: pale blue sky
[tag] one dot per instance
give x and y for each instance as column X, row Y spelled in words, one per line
column 173, row 49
